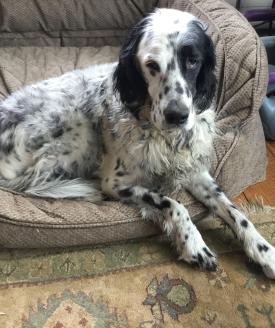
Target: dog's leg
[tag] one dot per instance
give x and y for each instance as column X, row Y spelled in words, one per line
column 176, row 223
column 205, row 189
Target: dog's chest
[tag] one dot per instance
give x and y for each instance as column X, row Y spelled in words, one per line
column 146, row 156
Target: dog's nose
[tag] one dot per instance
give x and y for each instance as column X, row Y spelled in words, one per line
column 174, row 114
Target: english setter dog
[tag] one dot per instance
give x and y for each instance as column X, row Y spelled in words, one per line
column 132, row 130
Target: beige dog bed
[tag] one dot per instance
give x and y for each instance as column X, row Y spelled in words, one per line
column 41, row 39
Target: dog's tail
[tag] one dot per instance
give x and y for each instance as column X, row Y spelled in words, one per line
column 76, row 188
column 56, row 189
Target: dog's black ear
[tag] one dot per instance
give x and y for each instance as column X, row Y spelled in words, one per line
column 128, row 79
column 206, row 80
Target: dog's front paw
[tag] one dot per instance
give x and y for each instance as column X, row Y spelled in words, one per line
column 203, row 257
column 195, row 251
column 269, row 270
column 188, row 240
column 268, row 261
column 260, row 251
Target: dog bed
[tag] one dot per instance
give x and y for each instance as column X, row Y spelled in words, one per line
column 41, row 39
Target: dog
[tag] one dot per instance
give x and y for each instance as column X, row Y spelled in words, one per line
column 132, row 131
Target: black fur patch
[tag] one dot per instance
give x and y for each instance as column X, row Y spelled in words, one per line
column 172, row 65
column 147, row 198
column 188, row 92
column 11, row 117
column 57, row 133
column 36, row 143
column 59, row 172
column 179, row 88
column 200, row 259
column 6, row 147
column 120, row 174
column 104, row 149
column 128, row 79
column 244, row 223
column 74, row 166
column 166, row 89
column 164, row 204
column 201, row 80
column 117, row 163
column 102, row 90
column 206, row 251
column 105, row 104
column 262, row 248
column 125, row 193
column 231, row 216
column 55, row 119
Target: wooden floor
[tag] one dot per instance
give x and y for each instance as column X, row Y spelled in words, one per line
column 263, row 190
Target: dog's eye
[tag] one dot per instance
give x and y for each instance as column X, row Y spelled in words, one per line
column 192, row 62
column 152, row 65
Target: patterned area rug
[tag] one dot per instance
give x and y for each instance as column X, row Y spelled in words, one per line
column 137, row 285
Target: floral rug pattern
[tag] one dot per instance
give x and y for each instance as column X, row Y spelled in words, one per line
column 138, row 284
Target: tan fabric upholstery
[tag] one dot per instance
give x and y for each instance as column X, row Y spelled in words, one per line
column 69, row 22
column 79, row 33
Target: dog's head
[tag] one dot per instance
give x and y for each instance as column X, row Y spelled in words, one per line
column 169, row 59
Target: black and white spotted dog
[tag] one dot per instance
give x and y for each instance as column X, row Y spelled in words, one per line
column 130, row 130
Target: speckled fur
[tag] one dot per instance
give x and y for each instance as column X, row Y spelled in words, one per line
column 133, row 131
